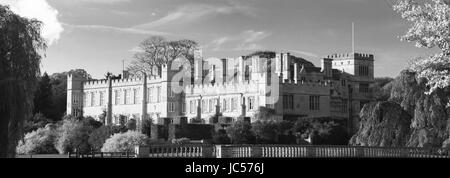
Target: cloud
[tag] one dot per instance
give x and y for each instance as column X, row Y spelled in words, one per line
column 191, row 13
column 42, row 11
column 246, row 40
column 94, row 1
column 105, row 1
column 116, row 29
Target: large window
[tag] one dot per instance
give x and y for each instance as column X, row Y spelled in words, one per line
column 363, row 71
column 364, row 88
column 92, row 99
column 126, row 98
column 136, row 96
column 233, row 104
column 117, row 97
column 171, row 107
column 314, row 102
column 211, row 106
column 158, row 94
column 204, row 109
column 183, row 107
column 251, row 103
column 149, row 95
column 85, row 99
column 224, row 105
column 344, row 105
column 102, row 98
column 191, row 107
column 288, row 102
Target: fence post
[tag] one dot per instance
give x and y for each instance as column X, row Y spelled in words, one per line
column 207, row 152
column 142, row 151
column 256, row 151
column 311, row 151
column 219, row 151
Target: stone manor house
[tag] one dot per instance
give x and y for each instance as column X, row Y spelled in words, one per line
column 232, row 88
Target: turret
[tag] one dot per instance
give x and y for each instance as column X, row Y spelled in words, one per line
column 75, row 95
column 327, row 67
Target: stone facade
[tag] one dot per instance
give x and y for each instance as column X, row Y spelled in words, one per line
column 233, row 88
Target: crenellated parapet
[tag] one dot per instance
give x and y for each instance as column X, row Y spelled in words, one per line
column 358, row 56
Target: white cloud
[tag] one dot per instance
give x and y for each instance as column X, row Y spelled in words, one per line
column 105, row 1
column 116, row 29
column 193, row 12
column 246, row 40
column 42, row 11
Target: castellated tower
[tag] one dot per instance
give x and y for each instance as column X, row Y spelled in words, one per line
column 74, row 95
column 361, row 66
column 327, row 67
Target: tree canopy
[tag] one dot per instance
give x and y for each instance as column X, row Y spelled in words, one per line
column 157, row 51
column 429, row 28
column 21, row 46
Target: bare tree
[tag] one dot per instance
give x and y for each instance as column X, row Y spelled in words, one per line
column 157, row 51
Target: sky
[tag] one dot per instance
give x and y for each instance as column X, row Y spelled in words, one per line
column 98, row 35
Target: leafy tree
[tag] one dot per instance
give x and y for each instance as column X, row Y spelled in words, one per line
column 264, row 113
column 221, row 137
column 91, row 122
column 266, row 132
column 329, row 133
column 123, row 142
column 40, row 141
column 262, row 54
column 429, row 29
column 240, row 132
column 58, row 82
column 36, row 122
column 99, row 136
column 382, row 88
column 131, row 124
column 323, row 131
column 21, row 46
column 73, row 135
column 181, row 141
column 43, row 96
column 273, row 132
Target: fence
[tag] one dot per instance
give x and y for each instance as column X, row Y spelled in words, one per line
column 286, row 151
column 269, row 151
column 103, row 155
column 176, row 151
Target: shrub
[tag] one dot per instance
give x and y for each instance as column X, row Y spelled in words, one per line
column 89, row 121
column 240, row 133
column 273, row 132
column 221, row 137
column 131, row 124
column 99, row 136
column 266, row 132
column 40, row 141
column 146, row 127
column 118, row 129
column 323, row 131
column 73, row 134
column 181, row 141
column 124, row 142
column 36, row 122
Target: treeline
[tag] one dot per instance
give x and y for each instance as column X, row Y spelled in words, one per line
column 315, row 131
column 50, row 99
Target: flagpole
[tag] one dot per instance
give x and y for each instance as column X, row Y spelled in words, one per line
column 353, row 38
